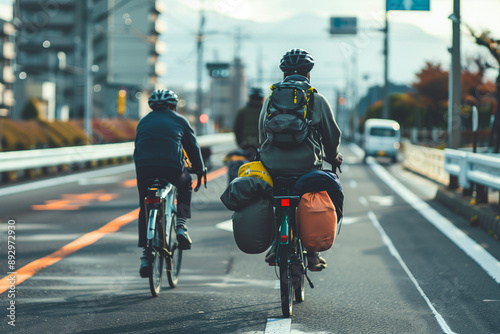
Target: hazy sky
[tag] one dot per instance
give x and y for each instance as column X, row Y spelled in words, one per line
column 478, row 13
column 417, row 37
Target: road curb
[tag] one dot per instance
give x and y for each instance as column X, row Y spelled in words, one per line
column 483, row 215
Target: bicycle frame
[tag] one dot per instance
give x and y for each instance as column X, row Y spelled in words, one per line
column 160, row 198
column 290, row 254
column 286, row 216
column 161, row 210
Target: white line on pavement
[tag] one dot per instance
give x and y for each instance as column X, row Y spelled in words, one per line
column 392, row 249
column 225, row 225
column 490, row 264
column 278, row 325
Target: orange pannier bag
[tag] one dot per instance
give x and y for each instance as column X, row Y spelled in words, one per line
column 317, row 221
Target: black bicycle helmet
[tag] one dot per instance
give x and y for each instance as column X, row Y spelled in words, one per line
column 256, row 93
column 163, row 97
column 297, row 61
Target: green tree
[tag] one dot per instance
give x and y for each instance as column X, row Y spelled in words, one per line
column 402, row 109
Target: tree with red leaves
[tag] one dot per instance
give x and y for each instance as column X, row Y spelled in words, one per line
column 493, row 45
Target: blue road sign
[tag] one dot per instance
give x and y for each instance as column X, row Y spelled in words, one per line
column 407, row 5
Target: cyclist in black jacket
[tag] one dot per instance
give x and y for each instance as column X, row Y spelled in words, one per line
column 159, row 142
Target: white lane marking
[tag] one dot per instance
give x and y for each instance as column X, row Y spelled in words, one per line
column 363, row 201
column 490, row 264
column 100, row 180
column 64, row 179
column 225, row 225
column 350, row 220
column 49, row 237
column 382, row 200
column 278, row 325
column 392, row 249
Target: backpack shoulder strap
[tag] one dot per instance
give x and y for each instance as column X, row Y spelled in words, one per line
column 311, row 91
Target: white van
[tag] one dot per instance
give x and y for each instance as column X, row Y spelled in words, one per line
column 381, row 138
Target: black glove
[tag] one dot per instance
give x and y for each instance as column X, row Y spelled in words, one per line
column 338, row 161
column 202, row 178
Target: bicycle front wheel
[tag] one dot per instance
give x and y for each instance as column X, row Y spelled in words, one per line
column 286, row 283
column 175, row 258
column 156, row 245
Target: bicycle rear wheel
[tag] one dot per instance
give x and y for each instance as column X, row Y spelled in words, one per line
column 156, row 244
column 286, row 283
column 175, row 259
column 298, row 276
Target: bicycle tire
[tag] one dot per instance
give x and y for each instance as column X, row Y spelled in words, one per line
column 287, row 289
column 174, row 260
column 156, row 244
column 298, row 276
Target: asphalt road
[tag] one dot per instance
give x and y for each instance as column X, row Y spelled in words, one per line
column 401, row 264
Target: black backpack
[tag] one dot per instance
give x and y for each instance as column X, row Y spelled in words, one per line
column 289, row 112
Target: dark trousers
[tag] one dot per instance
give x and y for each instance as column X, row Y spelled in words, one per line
column 180, row 179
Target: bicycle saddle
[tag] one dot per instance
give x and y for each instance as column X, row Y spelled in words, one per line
column 157, row 183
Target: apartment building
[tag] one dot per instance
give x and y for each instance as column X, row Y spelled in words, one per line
column 7, row 55
column 73, row 51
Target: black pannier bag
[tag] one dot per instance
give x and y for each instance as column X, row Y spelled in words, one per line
column 253, row 219
column 243, row 190
column 253, row 227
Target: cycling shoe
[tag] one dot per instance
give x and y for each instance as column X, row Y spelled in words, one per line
column 315, row 262
column 183, row 238
column 146, row 260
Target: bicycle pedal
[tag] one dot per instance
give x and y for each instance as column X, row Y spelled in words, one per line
column 309, row 280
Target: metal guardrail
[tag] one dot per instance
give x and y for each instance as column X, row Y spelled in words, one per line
column 471, row 167
column 31, row 159
column 425, row 161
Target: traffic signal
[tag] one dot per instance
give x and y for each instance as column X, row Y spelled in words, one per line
column 203, row 118
column 122, row 98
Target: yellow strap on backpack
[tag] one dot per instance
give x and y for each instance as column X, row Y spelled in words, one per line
column 187, row 162
column 255, row 169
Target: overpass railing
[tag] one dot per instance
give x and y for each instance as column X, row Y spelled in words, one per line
column 11, row 163
column 483, row 169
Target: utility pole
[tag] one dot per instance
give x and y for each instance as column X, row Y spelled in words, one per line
column 260, row 70
column 385, row 110
column 455, row 89
column 199, row 92
column 87, row 69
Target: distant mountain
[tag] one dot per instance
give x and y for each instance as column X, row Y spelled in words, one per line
column 263, row 44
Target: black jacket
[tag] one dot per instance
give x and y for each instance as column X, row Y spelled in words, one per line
column 159, row 140
column 246, row 124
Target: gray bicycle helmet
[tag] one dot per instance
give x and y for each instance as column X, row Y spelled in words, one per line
column 163, row 97
column 297, row 61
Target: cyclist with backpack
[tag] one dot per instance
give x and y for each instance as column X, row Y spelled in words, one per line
column 245, row 129
column 297, row 129
column 160, row 139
